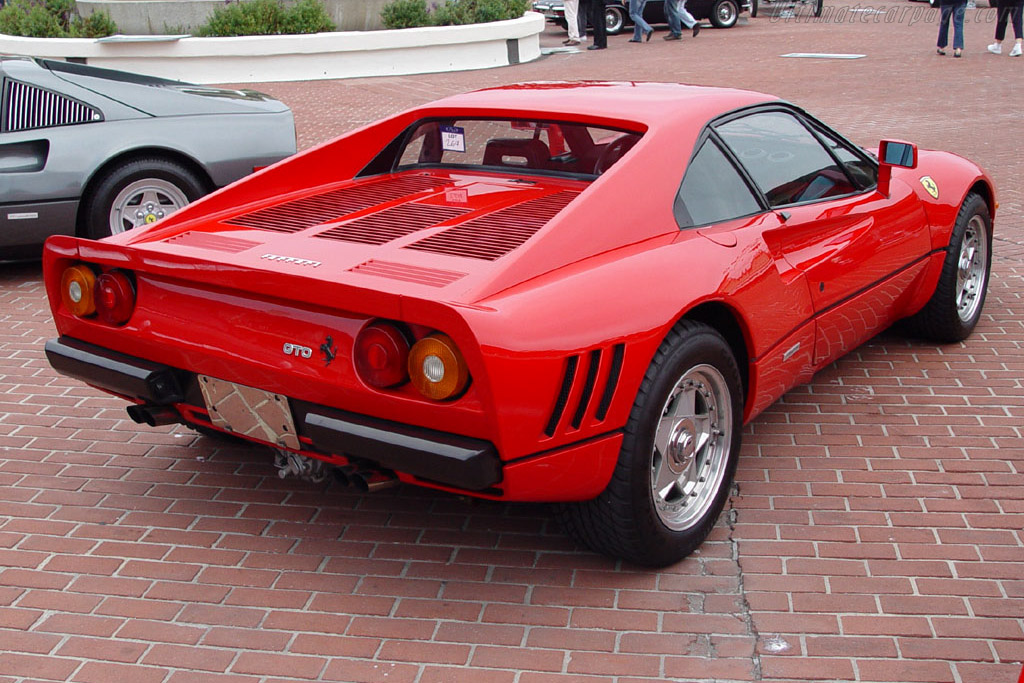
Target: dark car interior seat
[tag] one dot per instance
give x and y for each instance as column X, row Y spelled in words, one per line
column 517, row 152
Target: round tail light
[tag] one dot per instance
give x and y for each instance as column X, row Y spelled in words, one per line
column 77, row 290
column 437, row 368
column 381, row 355
column 115, row 298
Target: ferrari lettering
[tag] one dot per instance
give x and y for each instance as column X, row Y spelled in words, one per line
column 297, row 350
column 291, row 259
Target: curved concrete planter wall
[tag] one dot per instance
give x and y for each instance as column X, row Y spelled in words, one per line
column 255, row 59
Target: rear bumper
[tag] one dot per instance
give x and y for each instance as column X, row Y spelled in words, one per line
column 428, row 454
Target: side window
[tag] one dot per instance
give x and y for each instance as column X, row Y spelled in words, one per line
column 863, row 171
column 713, row 190
column 784, row 158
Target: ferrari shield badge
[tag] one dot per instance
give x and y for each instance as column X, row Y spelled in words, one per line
column 929, row 186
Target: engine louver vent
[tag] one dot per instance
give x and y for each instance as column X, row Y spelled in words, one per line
column 492, row 236
column 392, row 223
column 27, row 107
column 433, row 277
column 203, row 240
column 334, row 205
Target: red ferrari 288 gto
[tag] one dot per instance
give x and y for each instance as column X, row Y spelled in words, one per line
column 564, row 292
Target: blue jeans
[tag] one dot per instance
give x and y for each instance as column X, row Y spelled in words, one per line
column 957, row 13
column 677, row 15
column 636, row 13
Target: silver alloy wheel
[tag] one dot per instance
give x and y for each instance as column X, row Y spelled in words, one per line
column 971, row 268
column 726, row 14
column 143, row 202
column 691, row 447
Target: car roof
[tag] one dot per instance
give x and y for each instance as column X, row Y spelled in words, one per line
column 645, row 103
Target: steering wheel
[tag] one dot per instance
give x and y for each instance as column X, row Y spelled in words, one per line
column 613, row 151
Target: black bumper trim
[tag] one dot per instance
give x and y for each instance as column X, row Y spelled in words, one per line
column 450, row 459
column 116, row 372
column 458, row 461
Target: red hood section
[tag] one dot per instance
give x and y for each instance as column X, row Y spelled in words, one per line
column 424, row 228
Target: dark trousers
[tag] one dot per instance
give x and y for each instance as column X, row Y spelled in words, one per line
column 594, row 9
column 1012, row 10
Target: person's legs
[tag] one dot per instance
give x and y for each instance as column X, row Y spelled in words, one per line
column 946, row 13
column 597, row 24
column 572, row 20
column 1002, row 15
column 958, row 27
column 1017, row 13
column 636, row 12
column 675, row 29
column 684, row 15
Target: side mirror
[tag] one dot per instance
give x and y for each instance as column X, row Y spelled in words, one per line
column 894, row 153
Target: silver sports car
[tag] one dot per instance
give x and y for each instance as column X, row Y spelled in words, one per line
column 93, row 152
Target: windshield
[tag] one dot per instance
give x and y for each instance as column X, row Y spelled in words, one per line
column 507, row 144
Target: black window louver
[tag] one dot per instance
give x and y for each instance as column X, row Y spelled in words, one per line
column 26, row 107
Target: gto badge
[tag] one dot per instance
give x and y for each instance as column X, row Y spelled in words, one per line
column 297, row 351
column 929, row 186
column 291, row 259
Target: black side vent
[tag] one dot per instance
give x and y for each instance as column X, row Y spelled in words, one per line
column 588, row 388
column 611, row 383
column 598, row 364
column 26, row 107
column 563, row 395
column 334, row 205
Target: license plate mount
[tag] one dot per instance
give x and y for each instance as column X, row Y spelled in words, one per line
column 248, row 411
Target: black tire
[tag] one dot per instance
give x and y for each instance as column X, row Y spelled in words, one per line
column 642, row 516
column 818, row 4
column 161, row 187
column 614, row 20
column 955, row 306
column 753, row 9
column 724, row 14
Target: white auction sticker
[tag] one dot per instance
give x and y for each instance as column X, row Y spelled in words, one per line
column 453, row 138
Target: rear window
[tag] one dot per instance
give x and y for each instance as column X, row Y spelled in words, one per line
column 517, row 145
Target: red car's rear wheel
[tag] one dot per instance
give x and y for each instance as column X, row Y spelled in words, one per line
column 678, row 455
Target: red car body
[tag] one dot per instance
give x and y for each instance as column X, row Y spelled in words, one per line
column 557, row 288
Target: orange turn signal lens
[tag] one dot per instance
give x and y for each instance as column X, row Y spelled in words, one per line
column 78, row 290
column 437, row 368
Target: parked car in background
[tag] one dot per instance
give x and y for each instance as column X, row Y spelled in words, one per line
column 454, row 296
column 93, row 152
column 721, row 13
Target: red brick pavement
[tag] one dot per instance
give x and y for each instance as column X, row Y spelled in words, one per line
column 875, row 534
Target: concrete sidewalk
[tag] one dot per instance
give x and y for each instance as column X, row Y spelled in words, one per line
column 875, row 535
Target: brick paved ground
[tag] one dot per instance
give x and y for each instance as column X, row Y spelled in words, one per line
column 875, row 535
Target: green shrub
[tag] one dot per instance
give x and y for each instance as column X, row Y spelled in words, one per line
column 405, row 14
column 411, row 13
column 53, row 19
column 267, row 17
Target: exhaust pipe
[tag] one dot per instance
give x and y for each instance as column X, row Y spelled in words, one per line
column 369, row 481
column 154, row 415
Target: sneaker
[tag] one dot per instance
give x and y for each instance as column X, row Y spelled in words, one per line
column 672, row 36
column 1015, row 52
column 996, row 48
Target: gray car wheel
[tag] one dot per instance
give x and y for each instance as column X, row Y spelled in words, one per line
column 138, row 193
column 614, row 20
column 724, row 14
